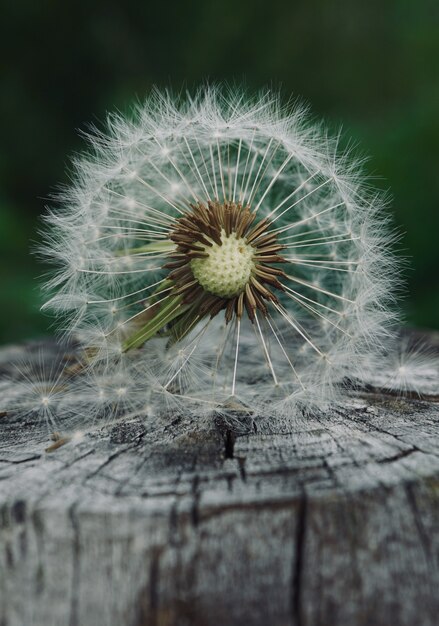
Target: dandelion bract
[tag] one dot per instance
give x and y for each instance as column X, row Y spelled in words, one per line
column 220, row 246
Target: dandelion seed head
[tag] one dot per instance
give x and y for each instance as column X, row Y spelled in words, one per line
column 222, row 243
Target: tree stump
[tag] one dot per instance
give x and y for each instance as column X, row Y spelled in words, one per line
column 333, row 523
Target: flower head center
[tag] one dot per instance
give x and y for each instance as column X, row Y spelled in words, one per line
column 227, row 268
column 224, row 259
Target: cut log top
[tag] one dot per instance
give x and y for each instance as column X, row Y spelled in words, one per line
column 333, row 521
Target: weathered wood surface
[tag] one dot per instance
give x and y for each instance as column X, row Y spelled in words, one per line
column 333, row 523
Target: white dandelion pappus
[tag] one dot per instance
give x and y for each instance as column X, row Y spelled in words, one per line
column 224, row 243
column 411, row 367
column 36, row 387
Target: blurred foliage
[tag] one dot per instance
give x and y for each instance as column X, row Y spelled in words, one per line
column 372, row 65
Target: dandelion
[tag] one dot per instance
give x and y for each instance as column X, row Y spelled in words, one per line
column 220, row 247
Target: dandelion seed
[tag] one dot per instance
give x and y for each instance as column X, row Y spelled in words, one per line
column 226, row 245
column 407, row 367
column 35, row 388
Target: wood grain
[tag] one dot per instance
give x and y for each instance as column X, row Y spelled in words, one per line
column 334, row 522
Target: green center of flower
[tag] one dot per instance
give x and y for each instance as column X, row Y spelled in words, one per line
column 227, row 268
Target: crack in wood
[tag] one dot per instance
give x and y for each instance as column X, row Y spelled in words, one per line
column 394, row 393
column 423, row 535
column 154, row 573
column 74, row 591
column 147, row 607
column 196, row 499
column 33, row 457
column 107, row 461
column 299, row 559
column 229, row 444
column 241, row 467
column 398, row 456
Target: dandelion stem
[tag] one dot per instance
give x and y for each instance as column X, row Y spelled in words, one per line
column 171, row 310
column 236, row 357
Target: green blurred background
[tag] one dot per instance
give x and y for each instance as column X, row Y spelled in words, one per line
column 371, row 65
